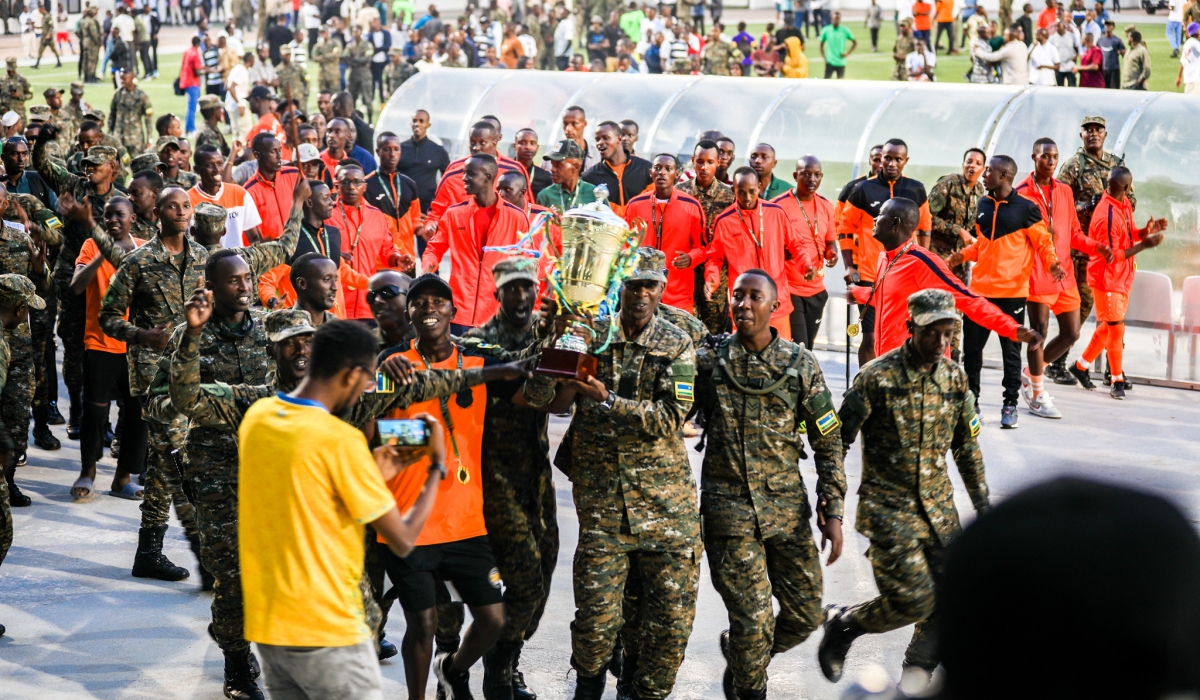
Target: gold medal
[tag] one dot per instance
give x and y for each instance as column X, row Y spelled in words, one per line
column 852, row 330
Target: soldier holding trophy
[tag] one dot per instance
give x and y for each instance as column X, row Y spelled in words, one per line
column 624, row 452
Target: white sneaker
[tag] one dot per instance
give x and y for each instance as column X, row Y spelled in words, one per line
column 1043, row 406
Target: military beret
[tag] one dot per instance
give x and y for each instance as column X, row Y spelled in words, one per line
column 651, row 265
column 99, row 154
column 146, row 161
column 930, row 306
column 209, row 218
column 511, row 269
column 285, row 323
column 17, row 290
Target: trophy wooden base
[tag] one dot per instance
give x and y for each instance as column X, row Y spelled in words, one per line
column 567, row 364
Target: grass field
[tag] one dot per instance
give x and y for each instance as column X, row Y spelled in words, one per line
column 862, row 65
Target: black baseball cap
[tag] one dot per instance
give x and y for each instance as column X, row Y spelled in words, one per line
column 430, row 283
column 262, row 92
column 563, row 150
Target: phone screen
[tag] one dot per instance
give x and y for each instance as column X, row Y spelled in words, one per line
column 404, row 433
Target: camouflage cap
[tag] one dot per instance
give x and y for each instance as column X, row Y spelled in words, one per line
column 285, row 323
column 166, row 142
column 146, row 161
column 209, row 218
column 12, row 62
column 930, row 306
column 651, row 265
column 1098, row 121
column 17, row 290
column 39, row 113
column 99, row 154
column 209, row 101
column 51, row 92
column 565, row 149
column 76, row 88
column 96, row 115
column 512, row 269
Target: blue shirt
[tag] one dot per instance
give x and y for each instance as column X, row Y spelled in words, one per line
column 653, row 60
column 23, row 188
column 362, row 156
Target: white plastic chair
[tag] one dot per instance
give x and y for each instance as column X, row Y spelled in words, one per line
column 1189, row 320
column 1150, row 307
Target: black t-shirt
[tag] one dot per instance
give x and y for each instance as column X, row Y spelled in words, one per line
column 422, row 161
column 540, row 180
column 277, row 37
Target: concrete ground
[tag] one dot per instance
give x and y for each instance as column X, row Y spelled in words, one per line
column 80, row 627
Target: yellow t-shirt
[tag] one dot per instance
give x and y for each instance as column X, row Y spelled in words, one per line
column 307, row 484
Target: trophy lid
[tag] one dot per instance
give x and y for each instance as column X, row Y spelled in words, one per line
column 597, row 211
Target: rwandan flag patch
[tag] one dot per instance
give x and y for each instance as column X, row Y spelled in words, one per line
column 974, row 423
column 827, row 422
column 684, row 391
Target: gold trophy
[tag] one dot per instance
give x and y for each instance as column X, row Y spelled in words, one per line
column 599, row 251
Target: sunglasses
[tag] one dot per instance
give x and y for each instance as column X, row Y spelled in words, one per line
column 384, row 293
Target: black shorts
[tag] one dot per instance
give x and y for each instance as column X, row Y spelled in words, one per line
column 866, row 322
column 831, row 70
column 468, row 565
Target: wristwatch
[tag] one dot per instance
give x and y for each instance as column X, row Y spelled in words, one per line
column 441, row 468
column 607, row 403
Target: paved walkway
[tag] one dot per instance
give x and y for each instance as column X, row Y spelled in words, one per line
column 80, row 627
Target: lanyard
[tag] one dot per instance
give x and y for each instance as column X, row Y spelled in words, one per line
column 391, row 192
column 324, row 239
column 879, row 282
column 463, row 475
column 357, row 231
column 758, row 240
column 1049, row 205
column 658, row 222
column 562, row 202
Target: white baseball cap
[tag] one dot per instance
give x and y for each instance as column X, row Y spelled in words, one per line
column 307, row 152
column 10, row 118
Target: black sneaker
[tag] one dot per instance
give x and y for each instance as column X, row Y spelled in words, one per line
column 21, row 459
column 454, row 684
column 1082, row 376
column 16, row 499
column 44, row 439
column 1117, row 391
column 53, row 417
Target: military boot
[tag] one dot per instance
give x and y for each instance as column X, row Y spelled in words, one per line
column 386, row 649
column 752, row 694
column 150, row 562
column 73, row 419
column 840, row 632
column 42, row 436
column 520, row 690
column 727, row 677
column 625, row 681
column 589, row 687
column 54, row 417
column 16, row 499
column 239, row 677
column 206, row 579
column 617, row 661
column 497, row 671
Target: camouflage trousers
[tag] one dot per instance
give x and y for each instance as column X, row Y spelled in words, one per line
column 1086, row 299
column 216, row 516
column 47, row 43
column 6, row 528
column 715, row 313
column 908, row 573
column 18, row 391
column 72, row 312
column 45, row 388
column 747, row 571
column 90, row 57
column 329, row 81
column 164, row 484
column 361, row 89
column 667, row 608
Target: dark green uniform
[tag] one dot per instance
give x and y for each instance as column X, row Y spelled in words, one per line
column 952, row 205
column 18, row 388
column 14, row 91
column 754, row 501
column 1087, row 177
column 41, row 323
column 636, row 502
column 909, row 419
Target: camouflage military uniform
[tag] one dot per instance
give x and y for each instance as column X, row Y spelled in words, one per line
column 636, row 502
column 18, row 389
column 71, row 306
column 48, row 39
column 91, row 40
column 519, row 501
column 67, row 128
column 714, row 200
column 717, row 55
column 41, row 323
column 293, row 79
column 75, row 113
column 328, row 54
column 909, row 419
column 14, row 91
column 358, row 79
column 1087, row 177
column 183, row 178
column 952, row 205
column 754, row 501
column 152, row 285
column 207, row 134
column 903, row 47
column 130, row 119
column 394, row 75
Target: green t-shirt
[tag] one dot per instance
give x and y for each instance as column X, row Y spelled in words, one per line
column 553, row 196
column 834, row 39
column 631, row 24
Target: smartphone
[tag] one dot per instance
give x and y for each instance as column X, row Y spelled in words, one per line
column 404, row 433
column 384, row 383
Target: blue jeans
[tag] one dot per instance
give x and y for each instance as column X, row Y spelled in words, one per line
column 1175, row 34
column 193, row 95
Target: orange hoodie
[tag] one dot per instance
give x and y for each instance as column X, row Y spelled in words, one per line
column 1009, row 232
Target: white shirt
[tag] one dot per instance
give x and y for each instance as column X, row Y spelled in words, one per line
column 1069, row 47
column 1176, row 12
column 262, row 72
column 1093, row 28
column 1042, row 59
column 125, row 23
column 239, row 217
column 238, row 83
column 311, row 15
column 1189, row 57
column 915, row 61
column 529, row 44
column 234, row 43
column 564, row 34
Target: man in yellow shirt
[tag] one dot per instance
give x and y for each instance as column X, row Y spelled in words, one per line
column 310, row 485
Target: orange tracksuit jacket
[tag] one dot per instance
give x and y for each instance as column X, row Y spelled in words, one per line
column 674, row 228
column 1058, row 212
column 371, row 249
column 451, row 189
column 820, row 213
column 1112, row 225
column 734, row 244
column 1009, row 233
column 857, row 223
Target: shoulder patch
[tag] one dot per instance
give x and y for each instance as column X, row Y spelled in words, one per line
column 827, row 422
column 685, row 391
column 974, row 425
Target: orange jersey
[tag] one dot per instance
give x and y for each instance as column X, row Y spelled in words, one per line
column 1057, row 205
column 814, row 227
column 944, row 10
column 674, row 227
column 857, row 224
column 366, row 237
column 762, row 238
column 1112, row 224
column 1008, row 234
column 270, row 123
column 471, row 279
column 93, row 337
column 451, row 189
column 922, row 16
column 458, row 511
column 273, row 199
